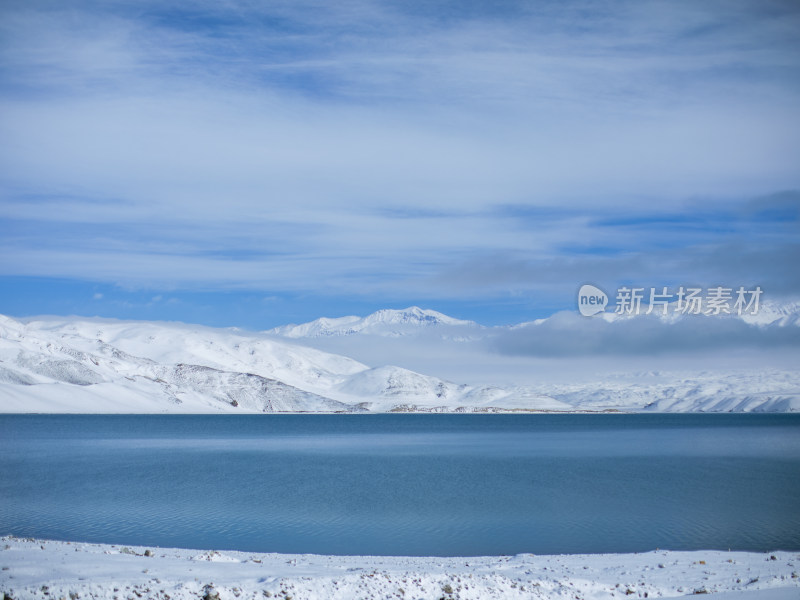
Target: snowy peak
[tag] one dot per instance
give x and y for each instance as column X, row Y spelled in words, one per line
column 318, row 328
column 386, row 322
column 413, row 315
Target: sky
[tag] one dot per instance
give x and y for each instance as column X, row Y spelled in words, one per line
column 251, row 164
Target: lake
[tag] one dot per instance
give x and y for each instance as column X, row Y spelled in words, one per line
column 406, row 484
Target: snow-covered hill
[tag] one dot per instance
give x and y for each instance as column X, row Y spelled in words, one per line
column 96, row 365
column 115, row 366
column 109, row 366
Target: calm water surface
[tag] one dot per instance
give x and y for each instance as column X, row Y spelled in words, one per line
column 405, row 484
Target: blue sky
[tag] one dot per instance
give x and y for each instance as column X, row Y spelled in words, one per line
column 252, row 164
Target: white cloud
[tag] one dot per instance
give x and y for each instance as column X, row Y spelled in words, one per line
column 278, row 146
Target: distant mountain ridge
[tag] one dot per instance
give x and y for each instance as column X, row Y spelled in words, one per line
column 59, row 364
column 413, row 320
column 386, row 322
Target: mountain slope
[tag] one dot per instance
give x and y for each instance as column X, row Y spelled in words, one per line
column 53, row 362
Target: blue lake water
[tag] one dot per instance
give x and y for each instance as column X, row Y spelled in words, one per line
column 405, row 484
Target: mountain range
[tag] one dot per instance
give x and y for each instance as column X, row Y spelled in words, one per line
column 56, row 364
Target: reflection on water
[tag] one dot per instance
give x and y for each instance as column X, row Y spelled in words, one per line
column 406, row 484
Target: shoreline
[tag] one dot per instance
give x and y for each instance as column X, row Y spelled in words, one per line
column 35, row 568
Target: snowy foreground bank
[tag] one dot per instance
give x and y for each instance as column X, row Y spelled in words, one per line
column 48, row 569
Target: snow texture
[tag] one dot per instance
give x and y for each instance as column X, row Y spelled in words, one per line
column 50, row 569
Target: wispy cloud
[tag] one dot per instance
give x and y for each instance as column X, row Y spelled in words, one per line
column 369, row 147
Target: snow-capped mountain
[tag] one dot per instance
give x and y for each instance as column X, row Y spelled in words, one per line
column 387, row 322
column 412, row 320
column 96, row 365
column 117, row 366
